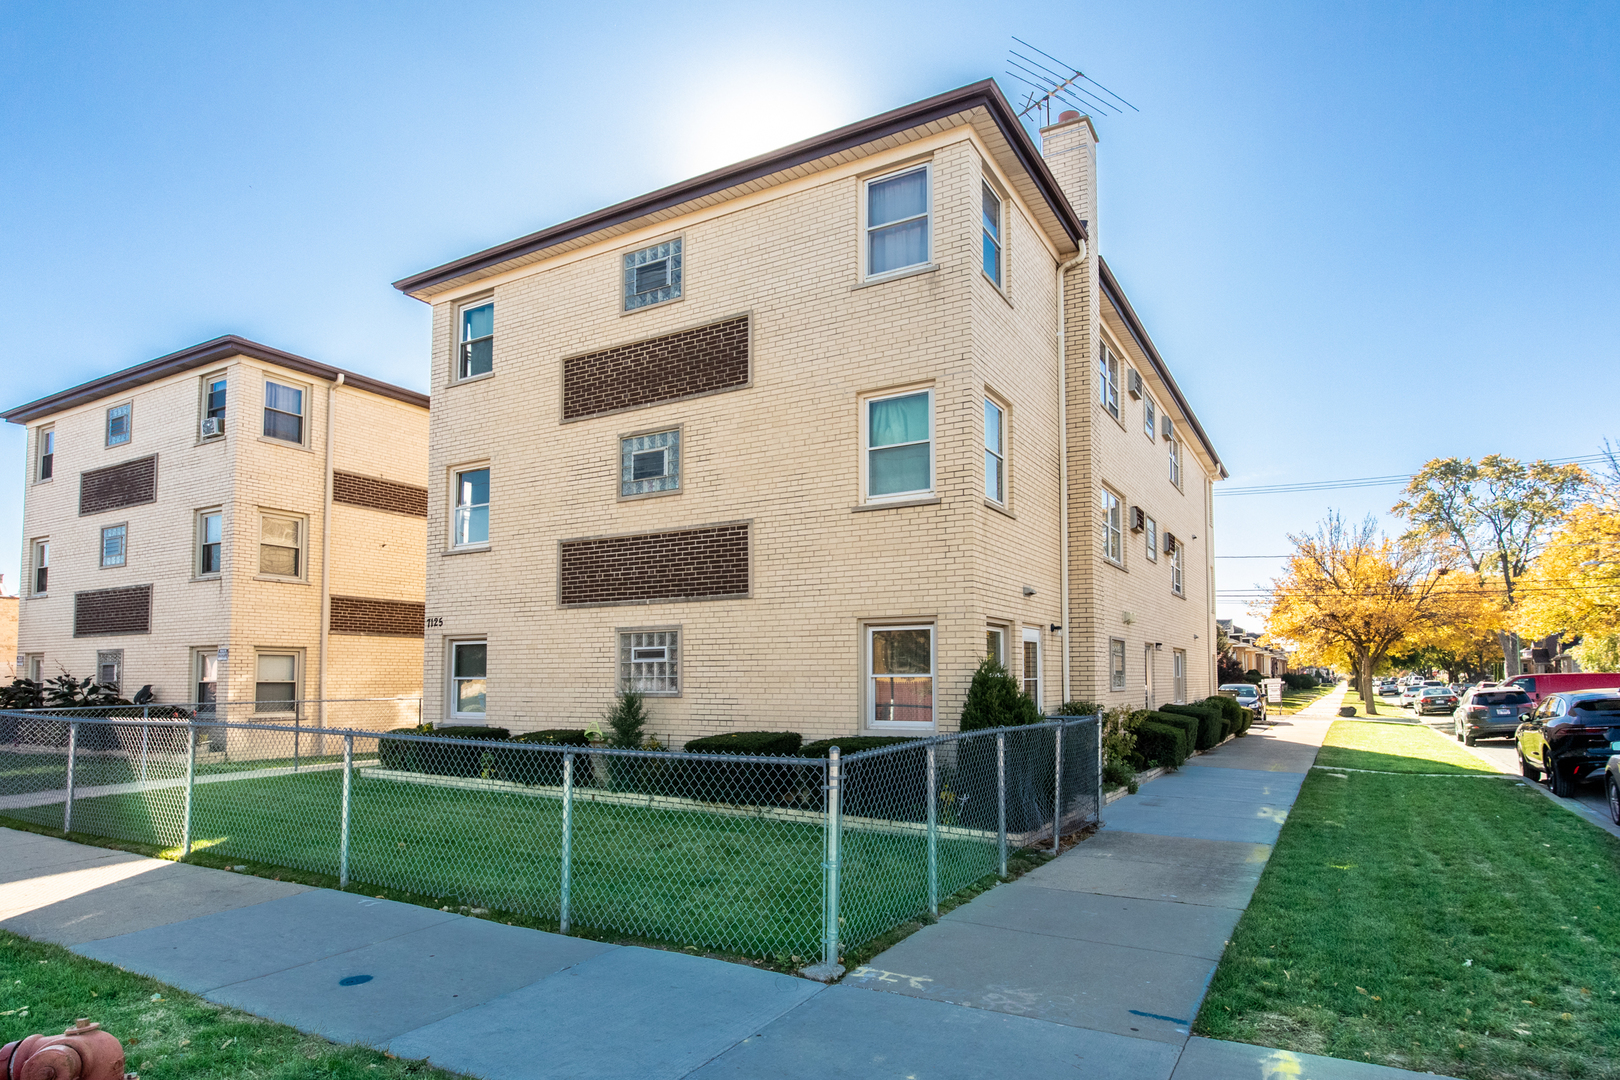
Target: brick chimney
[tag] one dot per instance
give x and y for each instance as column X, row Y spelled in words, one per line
column 1070, row 149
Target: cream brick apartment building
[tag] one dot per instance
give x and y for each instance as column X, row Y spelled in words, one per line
column 228, row 500
column 793, row 444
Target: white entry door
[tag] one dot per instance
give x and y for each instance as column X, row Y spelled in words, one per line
column 1147, row 676
column 1032, row 666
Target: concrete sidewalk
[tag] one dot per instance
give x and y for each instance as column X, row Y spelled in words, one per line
column 1096, row 961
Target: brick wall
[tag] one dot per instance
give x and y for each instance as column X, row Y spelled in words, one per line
column 387, row 618
column 129, row 483
column 125, row 610
column 376, row 493
column 667, row 368
column 692, row 564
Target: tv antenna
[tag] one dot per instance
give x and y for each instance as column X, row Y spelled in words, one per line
column 1047, row 84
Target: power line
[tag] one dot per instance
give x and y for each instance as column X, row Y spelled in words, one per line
column 1373, row 481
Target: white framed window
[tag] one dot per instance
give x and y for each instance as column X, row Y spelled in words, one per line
column 995, row 452
column 39, row 559
column 475, row 351
column 1112, row 526
column 1175, row 462
column 650, row 464
column 46, row 450
column 995, row 644
column 281, row 545
column 1030, row 682
column 897, row 221
column 471, row 524
column 1151, row 529
column 211, row 424
column 900, row 677
column 1178, row 673
column 899, row 432
column 469, row 664
column 205, row 676
column 110, row 668
column 1116, row 663
column 990, row 231
column 114, row 545
column 119, row 421
column 34, row 667
column 210, row 543
column 1150, row 417
column 652, row 275
column 275, row 682
column 1177, row 580
column 1108, row 381
column 650, row 661
column 283, row 412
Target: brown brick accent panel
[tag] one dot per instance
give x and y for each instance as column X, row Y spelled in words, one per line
column 113, row 611
column 681, row 365
column 381, row 618
column 377, row 494
column 693, row 564
column 128, row 483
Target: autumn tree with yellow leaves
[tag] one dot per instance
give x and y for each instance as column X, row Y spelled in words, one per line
column 1574, row 587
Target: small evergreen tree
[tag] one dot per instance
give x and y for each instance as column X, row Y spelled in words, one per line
column 626, row 719
column 995, row 700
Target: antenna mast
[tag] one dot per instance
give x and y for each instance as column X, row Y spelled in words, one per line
column 1047, row 83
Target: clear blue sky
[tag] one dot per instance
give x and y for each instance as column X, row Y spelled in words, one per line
column 1363, row 235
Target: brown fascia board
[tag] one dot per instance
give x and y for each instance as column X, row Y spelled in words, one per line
column 204, row 355
column 984, row 94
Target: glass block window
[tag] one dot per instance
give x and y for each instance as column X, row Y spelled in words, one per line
column 652, row 275
column 650, row 463
column 110, row 669
column 114, row 545
column 118, row 424
column 899, row 445
column 649, row 661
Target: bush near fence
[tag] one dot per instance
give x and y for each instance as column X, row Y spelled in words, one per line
column 1187, row 725
column 1237, row 717
column 1209, row 719
column 1160, row 743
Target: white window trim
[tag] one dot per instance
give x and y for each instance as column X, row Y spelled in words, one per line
column 305, row 417
column 1150, row 417
column 1031, row 635
column 1111, row 531
column 927, row 168
column 1001, row 234
column 34, row 547
column 1175, row 463
column 1120, row 680
column 197, row 536
column 106, row 425
column 202, row 403
column 1178, row 571
column 456, row 341
column 1151, row 531
column 680, row 658
column 101, row 547
column 866, row 401
column 195, row 678
column 1108, row 363
column 303, row 546
column 451, row 697
column 298, row 680
column 454, row 482
column 869, row 719
column 40, row 437
column 1006, row 468
column 1004, row 632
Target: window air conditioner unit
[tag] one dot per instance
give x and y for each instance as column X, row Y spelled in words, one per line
column 1138, row 519
column 1135, row 383
column 1170, row 542
column 1169, row 429
column 212, row 426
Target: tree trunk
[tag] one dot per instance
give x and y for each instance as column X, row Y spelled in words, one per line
column 1364, row 676
column 1511, row 665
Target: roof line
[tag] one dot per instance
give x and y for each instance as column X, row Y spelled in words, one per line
column 1116, row 296
column 208, row 352
column 985, row 93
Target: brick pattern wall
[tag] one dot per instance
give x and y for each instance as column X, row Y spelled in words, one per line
column 667, row 368
column 113, row 611
column 383, row 618
column 690, row 564
column 378, row 494
column 129, row 483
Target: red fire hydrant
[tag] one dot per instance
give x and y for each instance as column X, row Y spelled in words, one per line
column 82, row 1052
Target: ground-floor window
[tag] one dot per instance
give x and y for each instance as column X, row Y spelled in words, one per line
column 995, row 644
column 1031, row 681
column 275, row 682
column 1178, row 662
column 900, row 676
column 110, row 669
column 34, row 666
column 205, row 678
column 649, row 661
column 1116, row 664
column 469, row 661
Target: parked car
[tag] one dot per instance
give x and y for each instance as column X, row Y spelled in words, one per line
column 1569, row 738
column 1491, row 713
column 1611, row 784
column 1248, row 695
column 1411, row 692
column 1539, row 686
column 1434, row 699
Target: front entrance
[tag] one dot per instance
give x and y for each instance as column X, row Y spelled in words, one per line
column 1150, row 701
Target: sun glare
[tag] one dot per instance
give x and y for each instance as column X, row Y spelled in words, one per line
column 739, row 114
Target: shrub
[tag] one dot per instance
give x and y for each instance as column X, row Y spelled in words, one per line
column 995, row 699
column 743, row 781
column 626, row 720
column 532, row 767
column 1118, row 773
column 893, row 787
column 1161, row 744
column 851, row 744
column 1187, row 725
column 1300, row 680
column 22, row 694
column 1119, row 735
column 1080, row 708
column 1253, row 676
column 766, row 743
column 1209, row 722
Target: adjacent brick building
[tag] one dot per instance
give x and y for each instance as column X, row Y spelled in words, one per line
column 793, row 444
column 193, row 504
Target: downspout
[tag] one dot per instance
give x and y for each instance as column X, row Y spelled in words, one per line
column 1063, row 453
column 326, row 555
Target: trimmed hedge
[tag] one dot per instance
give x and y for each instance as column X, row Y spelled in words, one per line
column 851, row 744
column 439, row 758
column 743, row 781
column 760, row 743
column 1187, row 725
column 533, row 767
column 1237, row 717
column 1161, row 744
column 1210, row 720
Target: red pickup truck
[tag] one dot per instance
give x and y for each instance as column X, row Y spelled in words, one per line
column 1539, row 686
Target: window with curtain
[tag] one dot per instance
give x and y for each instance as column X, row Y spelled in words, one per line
column 995, row 452
column 477, row 349
column 897, row 222
column 209, row 536
column 281, row 546
column 901, row 674
column 991, row 231
column 468, row 687
column 283, row 412
column 275, row 684
column 899, row 433
column 472, row 508
column 205, row 666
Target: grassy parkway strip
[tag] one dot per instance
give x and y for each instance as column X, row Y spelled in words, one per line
column 1466, row 929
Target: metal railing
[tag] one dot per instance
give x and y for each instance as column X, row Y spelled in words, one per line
column 798, row 858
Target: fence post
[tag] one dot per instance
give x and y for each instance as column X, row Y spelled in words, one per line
column 146, row 731
column 1001, row 799
column 296, row 720
column 933, row 836
column 1097, row 727
column 343, row 837
column 67, row 803
column 1057, row 792
column 191, row 782
column 831, row 884
column 566, row 879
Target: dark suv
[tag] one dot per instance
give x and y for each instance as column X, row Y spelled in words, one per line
column 1491, row 713
column 1570, row 737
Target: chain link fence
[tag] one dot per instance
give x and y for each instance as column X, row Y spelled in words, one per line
column 778, row 856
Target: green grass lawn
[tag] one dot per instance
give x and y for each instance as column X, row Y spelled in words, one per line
column 167, row 1033
column 745, row 885
column 1295, row 700
column 1454, row 924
